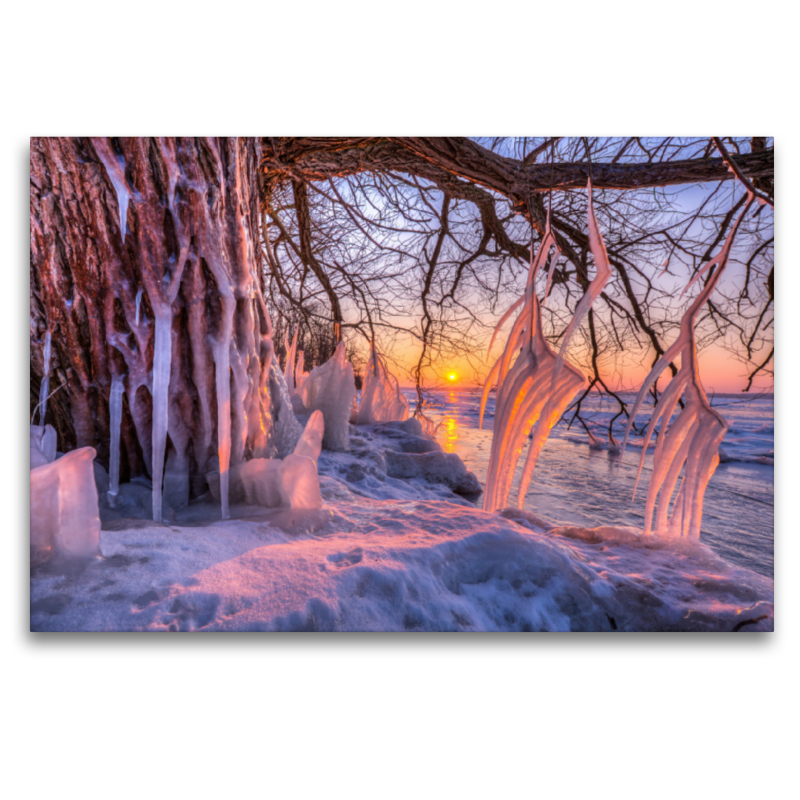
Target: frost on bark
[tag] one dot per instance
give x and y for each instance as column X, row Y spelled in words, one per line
column 145, row 269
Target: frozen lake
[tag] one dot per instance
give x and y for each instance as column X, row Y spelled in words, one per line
column 576, row 484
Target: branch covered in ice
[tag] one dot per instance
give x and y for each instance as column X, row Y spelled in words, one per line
column 534, row 383
column 692, row 440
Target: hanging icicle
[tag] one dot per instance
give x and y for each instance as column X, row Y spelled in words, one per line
column 115, row 417
column 540, row 385
column 44, row 389
column 693, row 439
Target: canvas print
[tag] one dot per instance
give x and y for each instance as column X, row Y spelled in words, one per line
column 401, row 384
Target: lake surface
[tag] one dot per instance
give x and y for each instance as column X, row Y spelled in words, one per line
column 574, row 483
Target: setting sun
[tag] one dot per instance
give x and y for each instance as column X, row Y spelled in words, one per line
column 452, row 376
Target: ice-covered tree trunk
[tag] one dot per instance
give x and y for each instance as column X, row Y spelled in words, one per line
column 145, row 270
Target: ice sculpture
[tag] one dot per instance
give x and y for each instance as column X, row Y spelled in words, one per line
column 65, row 517
column 692, row 440
column 539, row 386
column 299, row 374
column 381, row 400
column 331, row 388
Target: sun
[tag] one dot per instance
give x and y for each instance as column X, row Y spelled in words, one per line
column 452, row 376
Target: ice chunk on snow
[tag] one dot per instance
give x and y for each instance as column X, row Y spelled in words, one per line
column 331, row 388
column 310, row 443
column 300, row 482
column 43, row 445
column 262, row 481
column 381, row 400
column 65, row 518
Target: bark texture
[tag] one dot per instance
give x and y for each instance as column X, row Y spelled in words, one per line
column 184, row 251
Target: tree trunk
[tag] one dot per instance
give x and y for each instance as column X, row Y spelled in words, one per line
column 145, row 268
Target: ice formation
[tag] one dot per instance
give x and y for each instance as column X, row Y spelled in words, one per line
column 44, row 389
column 299, row 374
column 115, row 415
column 65, row 518
column 288, row 371
column 331, row 389
column 692, row 441
column 299, row 482
column 139, row 293
column 539, row 386
column 310, row 443
column 43, row 445
column 381, row 400
column 117, row 177
column 285, row 430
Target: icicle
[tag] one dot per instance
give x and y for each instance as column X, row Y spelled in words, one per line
column 115, row 422
column 693, row 439
column 138, row 304
column 288, row 371
column 222, row 349
column 117, row 177
column 44, row 389
column 162, row 361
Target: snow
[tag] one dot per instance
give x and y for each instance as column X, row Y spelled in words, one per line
column 65, row 519
column 386, row 554
column 331, row 389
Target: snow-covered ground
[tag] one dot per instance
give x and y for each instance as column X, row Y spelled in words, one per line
column 389, row 552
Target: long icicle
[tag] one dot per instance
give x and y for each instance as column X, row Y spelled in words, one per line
column 115, row 416
column 44, row 389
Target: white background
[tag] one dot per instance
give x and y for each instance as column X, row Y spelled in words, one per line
column 285, row 716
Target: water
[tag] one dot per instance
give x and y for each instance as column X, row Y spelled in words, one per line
column 576, row 484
